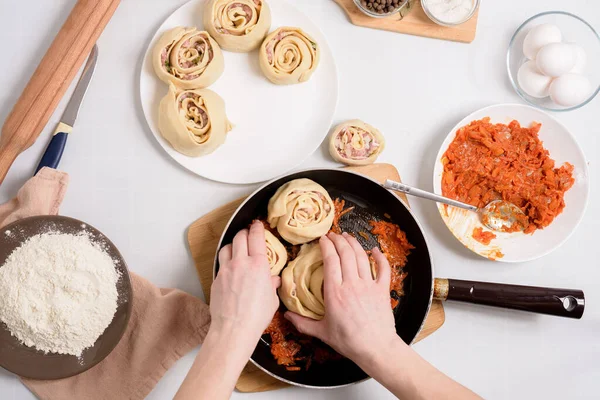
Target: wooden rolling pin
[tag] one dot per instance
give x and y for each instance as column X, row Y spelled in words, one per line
column 52, row 77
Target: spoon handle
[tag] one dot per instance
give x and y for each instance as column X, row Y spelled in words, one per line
column 401, row 187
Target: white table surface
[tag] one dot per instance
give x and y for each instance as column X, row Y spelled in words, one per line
column 414, row 90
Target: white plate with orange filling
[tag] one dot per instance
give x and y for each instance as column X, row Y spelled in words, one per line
column 268, row 128
column 520, row 154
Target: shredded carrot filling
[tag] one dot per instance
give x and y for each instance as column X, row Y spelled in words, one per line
column 487, row 162
column 396, row 248
column 483, row 237
column 496, row 254
column 338, row 205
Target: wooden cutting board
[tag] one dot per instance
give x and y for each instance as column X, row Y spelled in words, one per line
column 203, row 238
column 414, row 22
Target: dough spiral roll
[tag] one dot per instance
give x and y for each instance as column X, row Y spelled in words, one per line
column 193, row 121
column 276, row 253
column 188, row 58
column 356, row 143
column 301, row 288
column 288, row 55
column 237, row 25
column 301, row 210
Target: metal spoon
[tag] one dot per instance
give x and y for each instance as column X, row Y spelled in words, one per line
column 498, row 215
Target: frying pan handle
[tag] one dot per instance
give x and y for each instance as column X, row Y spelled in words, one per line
column 559, row 302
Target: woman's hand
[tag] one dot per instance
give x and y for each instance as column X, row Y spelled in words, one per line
column 242, row 305
column 244, row 296
column 359, row 324
column 358, row 321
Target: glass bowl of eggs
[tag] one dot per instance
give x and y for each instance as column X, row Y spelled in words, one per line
column 553, row 61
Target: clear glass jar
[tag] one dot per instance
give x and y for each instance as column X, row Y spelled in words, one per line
column 431, row 15
column 402, row 10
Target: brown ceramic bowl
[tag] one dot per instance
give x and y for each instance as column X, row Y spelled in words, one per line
column 31, row 363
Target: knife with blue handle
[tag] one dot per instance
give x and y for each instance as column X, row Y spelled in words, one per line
column 55, row 148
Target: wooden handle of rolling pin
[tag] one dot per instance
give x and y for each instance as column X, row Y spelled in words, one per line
column 52, row 77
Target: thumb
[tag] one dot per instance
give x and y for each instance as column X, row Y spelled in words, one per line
column 276, row 281
column 305, row 325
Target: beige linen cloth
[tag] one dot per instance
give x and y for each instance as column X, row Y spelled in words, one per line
column 165, row 323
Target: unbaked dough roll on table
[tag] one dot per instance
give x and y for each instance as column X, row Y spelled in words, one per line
column 188, row 58
column 276, row 253
column 301, row 288
column 237, row 25
column 356, row 143
column 193, row 121
column 288, row 55
column 301, row 210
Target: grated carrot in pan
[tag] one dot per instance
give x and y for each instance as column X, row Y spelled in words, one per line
column 340, row 211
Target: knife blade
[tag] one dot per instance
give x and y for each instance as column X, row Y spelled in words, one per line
column 56, row 147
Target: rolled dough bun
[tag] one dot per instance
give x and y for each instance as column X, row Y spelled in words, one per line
column 356, row 143
column 301, row 288
column 193, row 121
column 288, row 55
column 301, row 210
column 276, row 253
column 188, row 58
column 237, row 25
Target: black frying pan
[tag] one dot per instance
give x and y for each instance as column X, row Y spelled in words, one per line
column 371, row 200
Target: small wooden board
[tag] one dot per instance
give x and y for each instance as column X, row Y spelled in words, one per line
column 415, row 22
column 203, row 239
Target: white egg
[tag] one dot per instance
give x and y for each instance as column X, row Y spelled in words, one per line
column 570, row 89
column 538, row 37
column 532, row 81
column 555, row 59
column 580, row 59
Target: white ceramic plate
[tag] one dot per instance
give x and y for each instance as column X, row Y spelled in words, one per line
column 518, row 247
column 276, row 127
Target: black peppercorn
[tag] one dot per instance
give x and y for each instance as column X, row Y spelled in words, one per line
column 381, row 6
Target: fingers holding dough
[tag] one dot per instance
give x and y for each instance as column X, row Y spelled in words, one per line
column 237, row 25
column 188, row 58
column 276, row 253
column 193, row 121
column 289, row 55
column 302, row 211
column 301, row 288
column 356, row 143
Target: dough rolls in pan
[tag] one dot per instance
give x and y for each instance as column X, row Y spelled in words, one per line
column 356, row 143
column 188, row 58
column 237, row 25
column 276, row 253
column 288, row 55
column 301, row 210
column 193, row 121
column 301, row 288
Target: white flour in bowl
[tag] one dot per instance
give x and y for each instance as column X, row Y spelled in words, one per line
column 58, row 292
